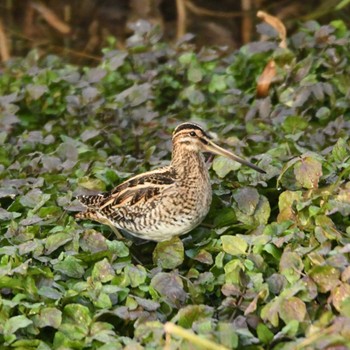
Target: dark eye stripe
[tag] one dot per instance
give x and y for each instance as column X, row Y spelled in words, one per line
column 204, row 141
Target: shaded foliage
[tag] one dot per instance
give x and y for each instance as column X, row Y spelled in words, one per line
column 78, row 33
column 269, row 267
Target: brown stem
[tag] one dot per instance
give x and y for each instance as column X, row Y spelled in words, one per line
column 181, row 18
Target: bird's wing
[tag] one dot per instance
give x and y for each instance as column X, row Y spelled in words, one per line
column 139, row 188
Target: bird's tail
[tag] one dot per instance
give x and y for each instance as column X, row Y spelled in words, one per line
column 86, row 215
column 92, row 201
column 92, row 214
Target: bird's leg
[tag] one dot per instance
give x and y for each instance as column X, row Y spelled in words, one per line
column 117, row 233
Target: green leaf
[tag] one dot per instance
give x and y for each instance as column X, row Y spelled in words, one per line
column 136, row 274
column 233, row 271
column 222, row 166
column 169, row 254
column 291, row 266
column 270, row 312
column 103, row 301
column 340, row 150
column 70, row 266
column 195, row 96
column 186, row 58
column 294, row 124
column 323, row 113
column 251, row 208
column 341, row 295
column 118, row 248
column 341, row 5
column 103, row 332
column 36, row 91
column 291, row 329
column 76, row 321
column 34, row 199
column 217, row 83
column 55, row 241
column 225, row 217
column 264, row 334
column 192, row 313
column 102, row 271
column 11, row 282
column 286, row 202
column 194, row 73
column 49, row 317
column 92, row 184
column 234, row 245
column 15, row 323
column 228, row 337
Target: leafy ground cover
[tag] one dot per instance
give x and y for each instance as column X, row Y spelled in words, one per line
column 269, row 267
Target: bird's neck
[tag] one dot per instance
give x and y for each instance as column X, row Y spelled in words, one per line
column 188, row 163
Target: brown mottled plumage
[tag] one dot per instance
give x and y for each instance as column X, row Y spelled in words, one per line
column 165, row 202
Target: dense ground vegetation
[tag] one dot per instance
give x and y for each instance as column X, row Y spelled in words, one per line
column 269, row 267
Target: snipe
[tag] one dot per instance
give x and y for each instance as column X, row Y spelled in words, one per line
column 166, row 202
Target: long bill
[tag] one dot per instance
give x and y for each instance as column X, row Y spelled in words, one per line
column 213, row 148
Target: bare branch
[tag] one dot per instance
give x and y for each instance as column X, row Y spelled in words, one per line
column 181, row 18
column 51, row 18
column 205, row 12
column 4, row 48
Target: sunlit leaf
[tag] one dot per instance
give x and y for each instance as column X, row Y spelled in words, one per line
column 16, row 322
column 340, row 294
column 308, row 172
column 76, row 321
column 233, row 271
column 234, row 245
column 49, row 317
column 292, row 309
column 326, row 277
column 222, row 166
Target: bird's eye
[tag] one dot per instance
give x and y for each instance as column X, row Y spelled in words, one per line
column 192, row 133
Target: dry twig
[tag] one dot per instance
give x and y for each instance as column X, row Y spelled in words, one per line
column 181, row 18
column 205, row 12
column 173, row 329
column 4, row 49
column 269, row 73
column 277, row 24
column 247, row 25
column 51, row 18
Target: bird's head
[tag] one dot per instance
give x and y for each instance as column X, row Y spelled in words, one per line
column 191, row 137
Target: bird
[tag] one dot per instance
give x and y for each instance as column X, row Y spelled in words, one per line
column 166, row 202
